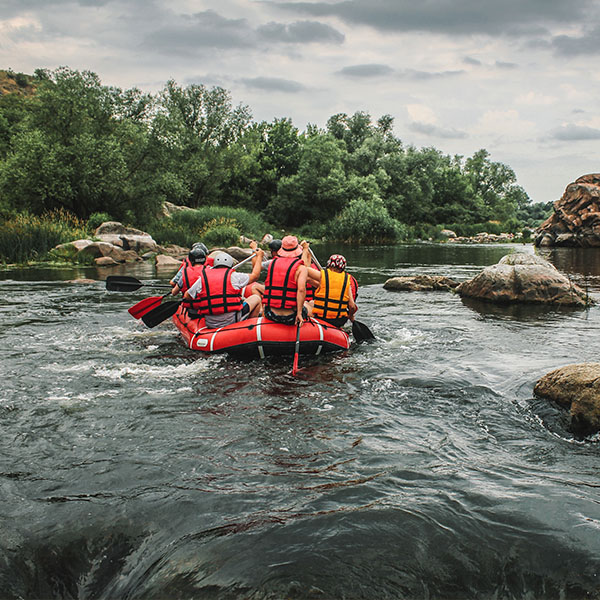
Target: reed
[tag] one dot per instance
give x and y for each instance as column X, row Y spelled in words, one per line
column 25, row 237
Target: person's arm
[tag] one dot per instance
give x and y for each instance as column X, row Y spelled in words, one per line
column 352, row 308
column 176, row 289
column 256, row 266
column 313, row 276
column 301, row 293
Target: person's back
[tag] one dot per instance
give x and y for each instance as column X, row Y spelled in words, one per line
column 334, row 298
column 217, row 294
column 285, row 285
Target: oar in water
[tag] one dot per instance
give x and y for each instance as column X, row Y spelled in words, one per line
column 123, row 283
column 168, row 309
column 360, row 331
column 137, row 311
column 296, row 351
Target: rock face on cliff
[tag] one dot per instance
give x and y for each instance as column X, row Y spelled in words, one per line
column 523, row 277
column 576, row 218
column 576, row 387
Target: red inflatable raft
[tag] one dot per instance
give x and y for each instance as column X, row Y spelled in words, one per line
column 260, row 337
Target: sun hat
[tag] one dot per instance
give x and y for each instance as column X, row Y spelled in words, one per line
column 289, row 247
column 337, row 261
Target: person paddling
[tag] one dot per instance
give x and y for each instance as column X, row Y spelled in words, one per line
column 216, row 294
column 334, row 298
column 191, row 269
column 285, row 285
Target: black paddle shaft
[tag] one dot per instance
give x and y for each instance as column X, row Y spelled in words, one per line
column 123, row 283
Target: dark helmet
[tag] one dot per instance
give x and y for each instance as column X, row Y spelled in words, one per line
column 275, row 245
column 202, row 246
column 197, row 256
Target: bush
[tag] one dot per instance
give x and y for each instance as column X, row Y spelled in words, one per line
column 366, row 221
column 27, row 237
column 96, row 219
column 220, row 223
column 220, row 233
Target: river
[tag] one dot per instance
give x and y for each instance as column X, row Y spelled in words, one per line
column 417, row 466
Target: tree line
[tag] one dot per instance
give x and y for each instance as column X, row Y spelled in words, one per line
column 77, row 145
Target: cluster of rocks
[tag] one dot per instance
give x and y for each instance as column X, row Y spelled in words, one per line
column 576, row 218
column 487, row 238
column 527, row 278
column 114, row 244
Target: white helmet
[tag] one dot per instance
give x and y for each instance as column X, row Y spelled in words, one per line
column 223, row 260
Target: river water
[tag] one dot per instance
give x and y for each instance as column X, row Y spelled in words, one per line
column 418, row 466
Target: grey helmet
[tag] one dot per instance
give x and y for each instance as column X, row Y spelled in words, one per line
column 197, row 256
column 202, row 246
column 223, row 260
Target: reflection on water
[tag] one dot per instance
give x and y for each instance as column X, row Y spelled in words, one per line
column 419, row 466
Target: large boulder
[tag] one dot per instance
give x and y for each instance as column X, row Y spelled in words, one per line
column 576, row 217
column 128, row 238
column 526, row 278
column 420, row 283
column 576, row 387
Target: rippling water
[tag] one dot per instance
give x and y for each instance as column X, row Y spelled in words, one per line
column 419, row 466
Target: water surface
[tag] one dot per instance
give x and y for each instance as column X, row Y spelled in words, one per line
column 419, row 466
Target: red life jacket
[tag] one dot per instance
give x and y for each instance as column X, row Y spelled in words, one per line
column 218, row 295
column 280, row 284
column 189, row 276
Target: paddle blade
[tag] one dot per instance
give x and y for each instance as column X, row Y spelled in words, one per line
column 361, row 332
column 137, row 311
column 122, row 283
column 161, row 313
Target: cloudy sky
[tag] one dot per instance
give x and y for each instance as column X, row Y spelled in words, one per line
column 517, row 77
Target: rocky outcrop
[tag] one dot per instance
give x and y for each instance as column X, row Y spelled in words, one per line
column 127, row 238
column 576, row 217
column 420, row 283
column 488, row 238
column 524, row 278
column 576, row 387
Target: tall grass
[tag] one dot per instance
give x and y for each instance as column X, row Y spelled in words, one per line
column 26, row 237
column 213, row 225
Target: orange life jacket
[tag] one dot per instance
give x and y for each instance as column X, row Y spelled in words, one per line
column 218, row 295
column 280, row 284
column 331, row 299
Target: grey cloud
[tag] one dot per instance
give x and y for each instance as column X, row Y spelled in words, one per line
column 575, row 133
column 208, row 29
column 301, row 32
column 509, row 17
column 469, row 60
column 373, row 70
column 273, row 84
column 588, row 43
column 426, row 75
column 506, row 65
column 435, row 131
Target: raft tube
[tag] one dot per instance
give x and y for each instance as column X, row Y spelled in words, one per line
column 260, row 337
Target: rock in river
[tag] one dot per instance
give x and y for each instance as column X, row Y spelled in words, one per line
column 420, row 283
column 523, row 277
column 576, row 387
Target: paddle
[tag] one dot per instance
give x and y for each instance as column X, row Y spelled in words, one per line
column 360, row 331
column 159, row 314
column 137, row 311
column 296, row 351
column 123, row 283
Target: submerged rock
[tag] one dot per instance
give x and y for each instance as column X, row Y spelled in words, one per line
column 524, row 278
column 420, row 283
column 576, row 387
